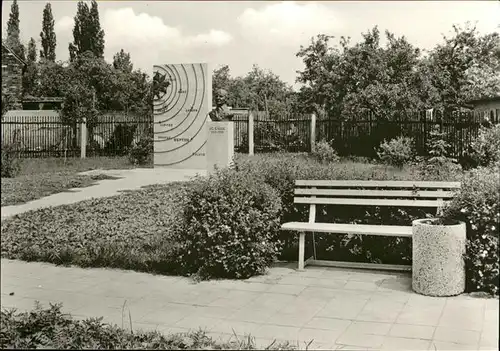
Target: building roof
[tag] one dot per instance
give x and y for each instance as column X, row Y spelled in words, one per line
column 4, row 45
column 30, row 98
column 485, row 99
column 32, row 114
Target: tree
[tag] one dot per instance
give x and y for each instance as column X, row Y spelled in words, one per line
column 460, row 68
column 6, row 103
column 347, row 81
column 268, row 92
column 122, row 62
column 53, row 79
column 95, row 32
column 48, row 35
column 319, row 59
column 31, row 57
column 221, row 79
column 30, row 75
column 258, row 90
column 87, row 32
column 13, row 31
column 132, row 92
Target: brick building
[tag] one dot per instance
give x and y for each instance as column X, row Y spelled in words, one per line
column 12, row 76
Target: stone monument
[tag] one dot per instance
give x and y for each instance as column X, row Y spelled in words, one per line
column 220, row 142
column 182, row 97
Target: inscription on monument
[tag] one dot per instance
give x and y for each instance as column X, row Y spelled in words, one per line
column 182, row 100
column 220, row 145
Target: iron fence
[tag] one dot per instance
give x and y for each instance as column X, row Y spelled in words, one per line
column 292, row 135
column 362, row 136
column 42, row 133
column 114, row 133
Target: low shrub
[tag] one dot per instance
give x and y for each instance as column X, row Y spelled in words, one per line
column 230, row 226
column 281, row 170
column 140, row 153
column 396, row 152
column 121, row 140
column 478, row 205
column 438, row 165
column 49, row 328
column 11, row 163
column 486, row 148
column 324, row 153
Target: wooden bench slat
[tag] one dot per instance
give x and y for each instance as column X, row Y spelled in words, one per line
column 367, row 202
column 343, row 228
column 378, row 184
column 374, row 193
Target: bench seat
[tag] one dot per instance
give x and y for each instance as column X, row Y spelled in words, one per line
column 344, row 193
column 342, row 228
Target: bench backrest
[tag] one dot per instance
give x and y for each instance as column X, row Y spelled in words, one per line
column 374, row 193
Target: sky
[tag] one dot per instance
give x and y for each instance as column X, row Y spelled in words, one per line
column 243, row 33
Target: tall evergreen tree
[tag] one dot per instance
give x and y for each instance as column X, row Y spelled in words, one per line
column 30, row 76
column 13, row 31
column 87, row 32
column 122, row 62
column 80, row 41
column 48, row 35
column 95, row 32
column 31, row 58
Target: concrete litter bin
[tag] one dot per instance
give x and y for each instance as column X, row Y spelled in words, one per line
column 438, row 262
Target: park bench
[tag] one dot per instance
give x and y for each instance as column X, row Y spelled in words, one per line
column 363, row 193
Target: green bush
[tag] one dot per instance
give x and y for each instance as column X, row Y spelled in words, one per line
column 51, row 329
column 437, row 166
column 396, row 152
column 478, row 205
column 141, row 152
column 11, row 163
column 324, row 153
column 121, row 140
column 281, row 170
column 230, row 226
column 486, row 148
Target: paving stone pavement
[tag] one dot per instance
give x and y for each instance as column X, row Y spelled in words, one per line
column 130, row 179
column 338, row 309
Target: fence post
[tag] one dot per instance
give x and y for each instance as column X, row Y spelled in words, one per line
column 83, row 138
column 313, row 130
column 250, row 133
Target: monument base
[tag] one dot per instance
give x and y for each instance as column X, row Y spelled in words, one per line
column 220, row 145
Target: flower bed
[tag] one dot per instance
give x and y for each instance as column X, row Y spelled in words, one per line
column 148, row 230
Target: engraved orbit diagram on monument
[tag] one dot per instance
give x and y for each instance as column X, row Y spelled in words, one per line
column 181, row 104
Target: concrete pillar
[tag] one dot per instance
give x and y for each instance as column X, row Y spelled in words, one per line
column 83, row 139
column 313, row 130
column 250, row 133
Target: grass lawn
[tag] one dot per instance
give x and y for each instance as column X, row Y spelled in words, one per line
column 31, row 166
column 29, row 187
column 40, row 177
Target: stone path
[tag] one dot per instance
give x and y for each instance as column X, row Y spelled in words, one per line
column 340, row 309
column 130, row 179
